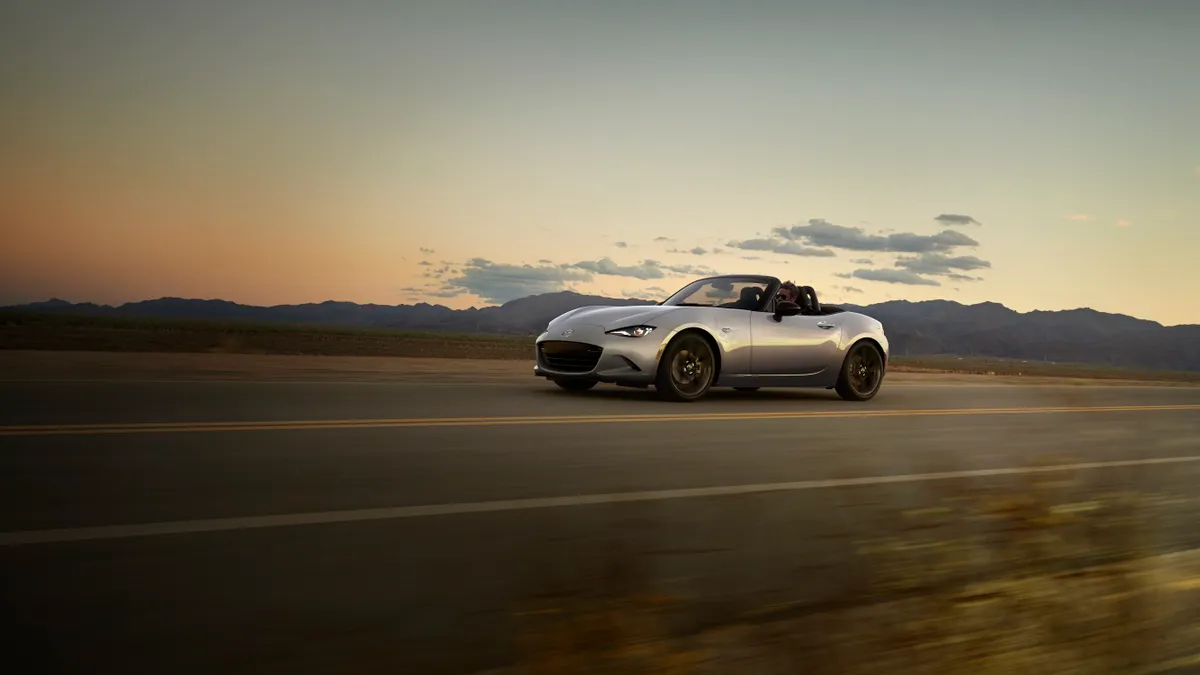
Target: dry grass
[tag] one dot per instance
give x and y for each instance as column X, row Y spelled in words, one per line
column 24, row 331
column 1037, row 577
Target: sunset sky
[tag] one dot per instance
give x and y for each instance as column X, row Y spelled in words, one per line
column 1044, row 155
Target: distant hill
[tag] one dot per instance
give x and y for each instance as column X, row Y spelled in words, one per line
column 914, row 328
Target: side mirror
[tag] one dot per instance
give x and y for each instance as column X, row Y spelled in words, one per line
column 784, row 308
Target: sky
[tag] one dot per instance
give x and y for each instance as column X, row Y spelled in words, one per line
column 1043, row 155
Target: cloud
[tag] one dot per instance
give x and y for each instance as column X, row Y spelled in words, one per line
column 656, row 289
column 751, row 257
column 783, row 246
column 962, row 277
column 621, row 244
column 895, row 277
column 819, row 232
column 863, row 261
column 424, row 263
column 844, row 275
column 940, row 264
column 501, row 283
column 646, row 269
column 850, row 289
column 694, row 251
column 718, row 251
column 956, row 219
column 663, row 240
column 426, row 250
column 607, row 267
column 695, row 270
column 546, row 262
column 1081, row 217
column 1122, row 223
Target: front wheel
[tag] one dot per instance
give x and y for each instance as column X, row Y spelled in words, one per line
column 862, row 373
column 576, row 385
column 687, row 369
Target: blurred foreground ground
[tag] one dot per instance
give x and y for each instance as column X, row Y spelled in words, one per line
column 1077, row 553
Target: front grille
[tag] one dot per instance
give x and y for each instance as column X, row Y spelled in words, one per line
column 570, row 357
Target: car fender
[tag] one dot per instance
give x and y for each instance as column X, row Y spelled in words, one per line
column 874, row 336
column 722, row 344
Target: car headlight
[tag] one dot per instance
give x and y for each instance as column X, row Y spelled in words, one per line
column 632, row 331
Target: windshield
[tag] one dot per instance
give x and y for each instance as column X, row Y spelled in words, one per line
column 734, row 293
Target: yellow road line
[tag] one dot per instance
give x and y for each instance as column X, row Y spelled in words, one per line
column 417, row 422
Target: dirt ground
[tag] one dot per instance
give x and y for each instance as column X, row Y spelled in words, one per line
column 30, row 364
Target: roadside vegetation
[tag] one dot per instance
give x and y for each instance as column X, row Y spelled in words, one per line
column 48, row 331
column 1042, row 574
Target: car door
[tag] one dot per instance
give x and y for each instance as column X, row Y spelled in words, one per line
column 794, row 345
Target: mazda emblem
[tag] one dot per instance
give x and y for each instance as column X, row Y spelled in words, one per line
column 567, row 332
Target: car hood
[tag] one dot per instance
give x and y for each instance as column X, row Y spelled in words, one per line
column 612, row 317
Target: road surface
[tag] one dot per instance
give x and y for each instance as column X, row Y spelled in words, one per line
column 258, row 527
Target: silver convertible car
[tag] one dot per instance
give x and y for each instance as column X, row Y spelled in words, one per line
column 725, row 331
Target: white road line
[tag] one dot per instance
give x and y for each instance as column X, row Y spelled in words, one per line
column 402, row 512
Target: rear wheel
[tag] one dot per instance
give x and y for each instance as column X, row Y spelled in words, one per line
column 862, row 373
column 687, row 369
column 576, row 385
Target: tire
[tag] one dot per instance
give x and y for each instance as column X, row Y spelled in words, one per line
column 862, row 373
column 576, row 385
column 745, row 388
column 687, row 369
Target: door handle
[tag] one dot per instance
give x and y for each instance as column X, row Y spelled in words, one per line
column 826, row 325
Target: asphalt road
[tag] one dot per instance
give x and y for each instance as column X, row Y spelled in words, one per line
column 405, row 527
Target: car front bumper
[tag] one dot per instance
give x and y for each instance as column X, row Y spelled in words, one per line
column 587, row 352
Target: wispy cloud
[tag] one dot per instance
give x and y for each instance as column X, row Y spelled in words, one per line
column 1123, row 223
column 646, row 269
column 424, row 263
column 664, row 240
column 895, row 277
column 863, row 261
column 940, row 264
column 819, row 232
column 693, row 251
column 500, row 283
column 850, row 289
column 956, row 219
column 621, row 244
column 426, row 250
column 783, row 246
column 1081, row 217
column 643, row 270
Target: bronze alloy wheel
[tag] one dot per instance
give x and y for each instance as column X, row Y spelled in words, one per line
column 862, row 373
column 687, row 370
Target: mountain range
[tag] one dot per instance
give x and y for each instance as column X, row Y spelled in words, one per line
column 914, row 328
